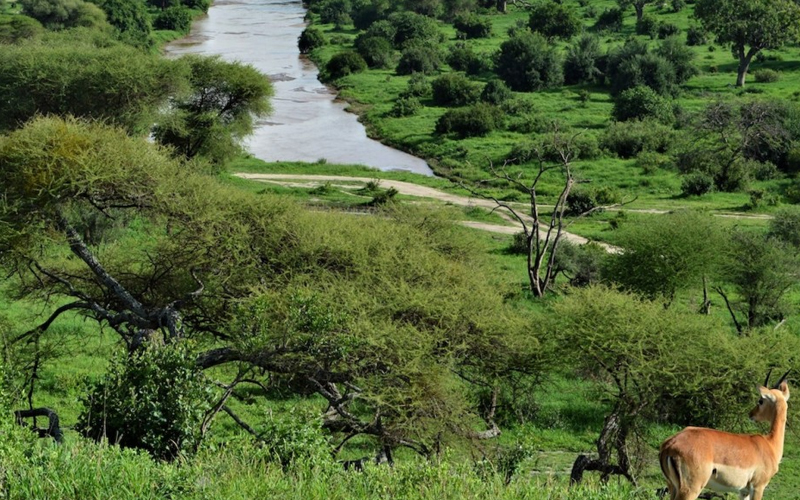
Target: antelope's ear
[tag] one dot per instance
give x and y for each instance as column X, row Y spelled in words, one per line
column 784, row 388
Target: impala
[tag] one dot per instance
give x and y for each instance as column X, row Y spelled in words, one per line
column 697, row 458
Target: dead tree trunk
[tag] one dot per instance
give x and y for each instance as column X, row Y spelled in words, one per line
column 53, row 429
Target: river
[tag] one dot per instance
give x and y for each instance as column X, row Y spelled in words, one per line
column 308, row 123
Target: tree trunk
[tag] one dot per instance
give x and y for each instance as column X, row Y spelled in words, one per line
column 744, row 65
column 639, row 11
column 502, row 5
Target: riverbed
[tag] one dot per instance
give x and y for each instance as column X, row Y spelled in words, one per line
column 308, row 123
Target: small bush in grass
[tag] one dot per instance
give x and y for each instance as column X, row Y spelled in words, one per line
column 766, row 75
column 677, row 5
column 419, row 58
column 610, row 20
column 697, row 184
column 310, row 39
column 628, row 139
column 642, row 102
column 580, row 63
column 519, row 244
column 496, row 92
column 454, row 89
column 785, row 225
column 473, row 26
column 648, row 26
column 528, row 62
column 174, row 18
column 418, row 86
column 583, row 200
column 666, row 30
column 477, row 120
column 463, row 58
column 554, row 20
column 696, row 35
column 651, row 162
column 295, row 440
column 154, row 399
column 345, row 63
column 406, row 106
column 761, row 198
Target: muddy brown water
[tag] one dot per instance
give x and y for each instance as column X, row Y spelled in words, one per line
column 308, row 123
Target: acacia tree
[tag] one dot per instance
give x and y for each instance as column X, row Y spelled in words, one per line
column 385, row 319
column 750, row 27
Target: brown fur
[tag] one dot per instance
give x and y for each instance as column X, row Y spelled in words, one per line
column 698, row 457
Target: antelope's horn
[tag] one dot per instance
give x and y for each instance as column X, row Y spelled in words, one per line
column 766, row 380
column 778, row 384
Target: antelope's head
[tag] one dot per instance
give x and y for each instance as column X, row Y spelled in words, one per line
column 771, row 399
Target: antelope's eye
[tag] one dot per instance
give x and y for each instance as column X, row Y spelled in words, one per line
column 760, row 401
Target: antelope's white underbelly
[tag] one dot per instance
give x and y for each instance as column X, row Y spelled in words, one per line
column 730, row 479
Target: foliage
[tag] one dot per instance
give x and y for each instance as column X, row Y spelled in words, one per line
column 554, row 20
column 335, row 12
column 697, row 184
column 785, row 225
column 496, row 92
column 761, row 270
column 366, row 12
column 16, row 28
column 750, row 27
column 580, row 63
column 131, row 20
column 647, row 25
column 610, row 20
column 419, row 58
column 642, row 102
column 311, row 38
column 473, row 26
column 582, row 265
column 766, row 75
column 61, row 14
column 628, row 139
column 295, row 440
column 454, row 89
column 118, row 84
column 406, row 106
column 153, row 400
column 696, row 35
column 343, row 64
column 174, row 18
column 376, row 51
column 674, row 50
column 477, row 120
column 658, row 261
column 219, row 110
column 527, row 62
column 463, row 58
column 410, row 27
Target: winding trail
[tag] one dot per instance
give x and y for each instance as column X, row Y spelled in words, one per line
column 411, row 189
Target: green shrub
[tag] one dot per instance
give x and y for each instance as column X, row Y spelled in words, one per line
column 454, row 89
column 639, row 103
column 310, row 39
column 477, row 120
column 582, row 200
column 376, row 51
column 647, row 69
column 473, row 26
column 419, row 58
column 766, row 75
column 295, row 439
column 418, row 86
column 580, row 63
column 343, row 64
column 174, row 18
column 666, row 30
column 335, row 12
column 382, row 29
column 14, row 28
column 519, row 244
column 610, row 20
column 463, row 58
column 677, row 5
column 554, row 20
column 674, row 50
column 785, row 225
column 496, row 92
column 696, row 35
column 647, row 26
column 406, row 106
column 153, row 399
column 628, row 139
column 413, row 27
column 696, row 184
column 527, row 62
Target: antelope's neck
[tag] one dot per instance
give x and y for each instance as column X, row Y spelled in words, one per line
column 778, row 430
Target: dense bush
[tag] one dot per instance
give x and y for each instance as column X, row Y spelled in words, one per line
column 477, row 120
column 766, row 75
column 473, row 26
column 364, row 13
column 175, row 19
column 15, row 28
column 496, row 92
column 154, row 400
column 418, row 86
column 554, row 20
column 583, row 200
column 406, row 106
column 610, row 20
column 527, row 62
column 696, row 184
column 383, row 29
column 728, row 175
column 454, row 89
column 633, row 65
column 628, row 139
column 463, row 58
column 310, row 39
column 648, row 26
column 666, row 30
column 580, row 63
column 409, row 26
column 642, row 102
column 696, row 35
column 785, row 225
column 419, row 58
column 335, row 12
column 376, row 51
column 343, row 64
column 674, row 50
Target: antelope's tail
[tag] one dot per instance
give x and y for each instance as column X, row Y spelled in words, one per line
column 670, row 469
